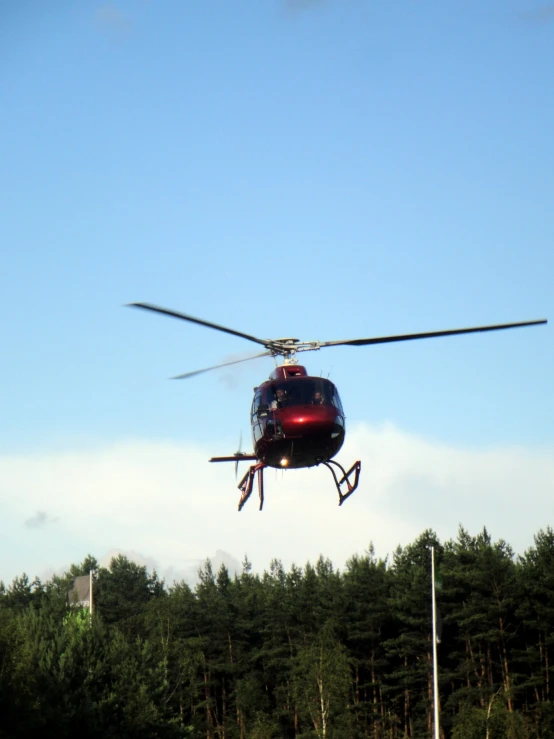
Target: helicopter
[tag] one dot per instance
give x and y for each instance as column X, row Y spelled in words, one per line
column 297, row 420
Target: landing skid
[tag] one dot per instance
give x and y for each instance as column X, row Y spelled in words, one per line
column 356, row 467
column 247, row 483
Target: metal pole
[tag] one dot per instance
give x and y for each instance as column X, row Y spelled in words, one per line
column 435, row 660
column 90, row 592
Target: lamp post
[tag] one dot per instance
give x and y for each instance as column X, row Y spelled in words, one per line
column 435, row 659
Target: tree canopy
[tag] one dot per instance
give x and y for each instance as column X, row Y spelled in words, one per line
column 310, row 653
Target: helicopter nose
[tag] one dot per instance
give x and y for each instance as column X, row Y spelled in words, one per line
column 310, row 420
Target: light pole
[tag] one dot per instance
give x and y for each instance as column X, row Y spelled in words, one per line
column 435, row 659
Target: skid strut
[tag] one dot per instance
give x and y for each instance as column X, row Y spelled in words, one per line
column 351, row 486
column 247, row 483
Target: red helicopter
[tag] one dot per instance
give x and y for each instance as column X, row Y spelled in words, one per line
column 297, row 420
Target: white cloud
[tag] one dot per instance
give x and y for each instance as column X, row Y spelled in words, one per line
column 172, row 574
column 165, row 501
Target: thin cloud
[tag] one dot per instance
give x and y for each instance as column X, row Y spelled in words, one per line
column 39, row 520
column 295, row 5
column 171, row 575
column 111, row 19
column 545, row 14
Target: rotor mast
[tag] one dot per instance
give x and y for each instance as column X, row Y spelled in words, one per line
column 287, row 348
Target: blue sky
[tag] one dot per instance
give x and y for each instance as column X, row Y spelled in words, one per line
column 319, row 169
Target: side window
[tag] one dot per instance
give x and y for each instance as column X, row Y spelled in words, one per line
column 256, row 402
column 336, row 400
column 332, row 396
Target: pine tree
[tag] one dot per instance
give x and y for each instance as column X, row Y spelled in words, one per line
column 409, row 687
column 368, row 622
column 480, row 583
column 122, row 592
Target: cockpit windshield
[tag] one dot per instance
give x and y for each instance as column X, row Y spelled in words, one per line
column 302, row 391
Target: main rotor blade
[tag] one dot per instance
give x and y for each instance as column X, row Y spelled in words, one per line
column 184, row 317
column 217, row 366
column 429, row 334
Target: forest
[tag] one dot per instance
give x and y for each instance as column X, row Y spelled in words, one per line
column 312, row 652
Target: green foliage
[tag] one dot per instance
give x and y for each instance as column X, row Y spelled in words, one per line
column 309, row 652
column 322, row 681
column 122, row 592
column 470, row 723
column 22, row 593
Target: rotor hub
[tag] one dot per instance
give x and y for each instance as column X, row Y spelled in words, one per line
column 286, row 341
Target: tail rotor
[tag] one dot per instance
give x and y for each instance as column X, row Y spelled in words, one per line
column 238, row 454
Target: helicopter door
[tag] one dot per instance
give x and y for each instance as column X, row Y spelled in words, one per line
column 257, row 417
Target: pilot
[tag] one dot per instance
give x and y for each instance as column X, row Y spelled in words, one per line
column 280, row 398
column 317, row 398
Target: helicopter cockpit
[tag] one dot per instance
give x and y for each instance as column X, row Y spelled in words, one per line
column 297, row 391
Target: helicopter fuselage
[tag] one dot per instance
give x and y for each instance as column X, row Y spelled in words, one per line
column 297, row 420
